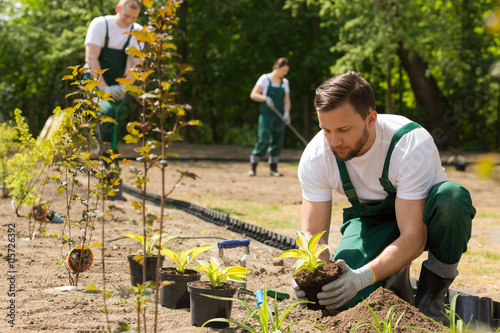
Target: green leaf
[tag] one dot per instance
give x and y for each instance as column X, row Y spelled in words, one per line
column 301, row 240
column 313, row 242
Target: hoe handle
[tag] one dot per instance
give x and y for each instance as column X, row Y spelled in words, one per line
column 232, row 243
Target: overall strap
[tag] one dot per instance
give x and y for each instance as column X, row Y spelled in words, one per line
column 128, row 39
column 384, row 180
column 106, row 39
column 349, row 190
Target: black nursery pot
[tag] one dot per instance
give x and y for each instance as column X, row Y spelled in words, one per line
column 205, row 308
column 475, row 311
column 176, row 295
column 136, row 269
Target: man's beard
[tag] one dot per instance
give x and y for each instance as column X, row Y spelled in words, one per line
column 355, row 151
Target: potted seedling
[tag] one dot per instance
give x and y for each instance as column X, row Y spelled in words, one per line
column 309, row 272
column 175, row 295
column 136, row 261
column 267, row 317
column 203, row 308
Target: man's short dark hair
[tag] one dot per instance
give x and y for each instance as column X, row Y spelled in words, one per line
column 349, row 87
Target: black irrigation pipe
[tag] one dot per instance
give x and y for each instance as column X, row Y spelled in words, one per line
column 259, row 234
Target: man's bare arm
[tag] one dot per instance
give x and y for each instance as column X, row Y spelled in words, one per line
column 316, row 217
column 409, row 245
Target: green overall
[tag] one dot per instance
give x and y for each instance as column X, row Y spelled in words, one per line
column 367, row 229
column 115, row 61
column 271, row 127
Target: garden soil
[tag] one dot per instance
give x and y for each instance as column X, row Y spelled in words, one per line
column 31, row 293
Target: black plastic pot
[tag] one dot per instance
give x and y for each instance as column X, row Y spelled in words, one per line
column 176, row 295
column 205, row 308
column 478, row 312
column 136, row 269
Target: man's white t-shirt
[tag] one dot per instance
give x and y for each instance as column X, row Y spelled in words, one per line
column 263, row 82
column 415, row 165
column 96, row 34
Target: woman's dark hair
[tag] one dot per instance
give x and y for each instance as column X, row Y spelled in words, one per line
column 281, row 62
column 348, row 87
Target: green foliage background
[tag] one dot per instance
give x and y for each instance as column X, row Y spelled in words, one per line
column 231, row 43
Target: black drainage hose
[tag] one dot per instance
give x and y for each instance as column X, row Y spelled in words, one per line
column 262, row 235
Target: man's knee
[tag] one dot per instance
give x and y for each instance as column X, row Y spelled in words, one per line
column 451, row 199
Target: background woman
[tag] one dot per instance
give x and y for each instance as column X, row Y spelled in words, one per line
column 272, row 91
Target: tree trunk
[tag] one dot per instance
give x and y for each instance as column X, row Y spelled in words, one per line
column 429, row 97
column 32, row 125
column 196, row 79
column 183, row 54
column 389, row 109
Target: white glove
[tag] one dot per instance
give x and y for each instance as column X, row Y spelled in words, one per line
column 269, row 102
column 286, row 118
column 338, row 292
column 300, row 295
column 117, row 92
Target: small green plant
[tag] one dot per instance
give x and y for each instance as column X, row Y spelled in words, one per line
column 182, row 259
column 381, row 326
column 217, row 275
column 120, row 302
column 267, row 317
column 308, row 254
column 58, row 261
column 150, row 241
column 142, row 294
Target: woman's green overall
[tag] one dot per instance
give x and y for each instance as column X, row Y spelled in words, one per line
column 271, row 127
column 115, row 61
column 367, row 229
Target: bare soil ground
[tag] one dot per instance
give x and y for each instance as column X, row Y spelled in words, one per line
column 37, row 272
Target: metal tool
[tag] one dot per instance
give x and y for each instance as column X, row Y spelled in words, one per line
column 278, row 295
column 230, row 244
column 304, row 141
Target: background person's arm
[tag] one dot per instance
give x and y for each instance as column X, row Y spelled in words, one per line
column 288, row 104
column 256, row 94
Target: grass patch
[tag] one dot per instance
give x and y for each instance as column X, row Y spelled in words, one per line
column 487, row 214
column 271, row 216
column 484, row 254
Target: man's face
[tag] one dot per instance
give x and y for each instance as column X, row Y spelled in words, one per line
column 126, row 16
column 346, row 131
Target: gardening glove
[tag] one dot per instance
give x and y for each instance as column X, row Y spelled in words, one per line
column 340, row 291
column 269, row 102
column 117, row 92
column 286, row 118
column 300, row 295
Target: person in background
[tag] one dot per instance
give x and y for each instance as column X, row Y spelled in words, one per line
column 105, row 45
column 402, row 201
column 271, row 91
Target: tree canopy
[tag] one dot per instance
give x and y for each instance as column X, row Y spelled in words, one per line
column 428, row 60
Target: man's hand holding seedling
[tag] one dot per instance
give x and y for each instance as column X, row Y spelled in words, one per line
column 351, row 281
